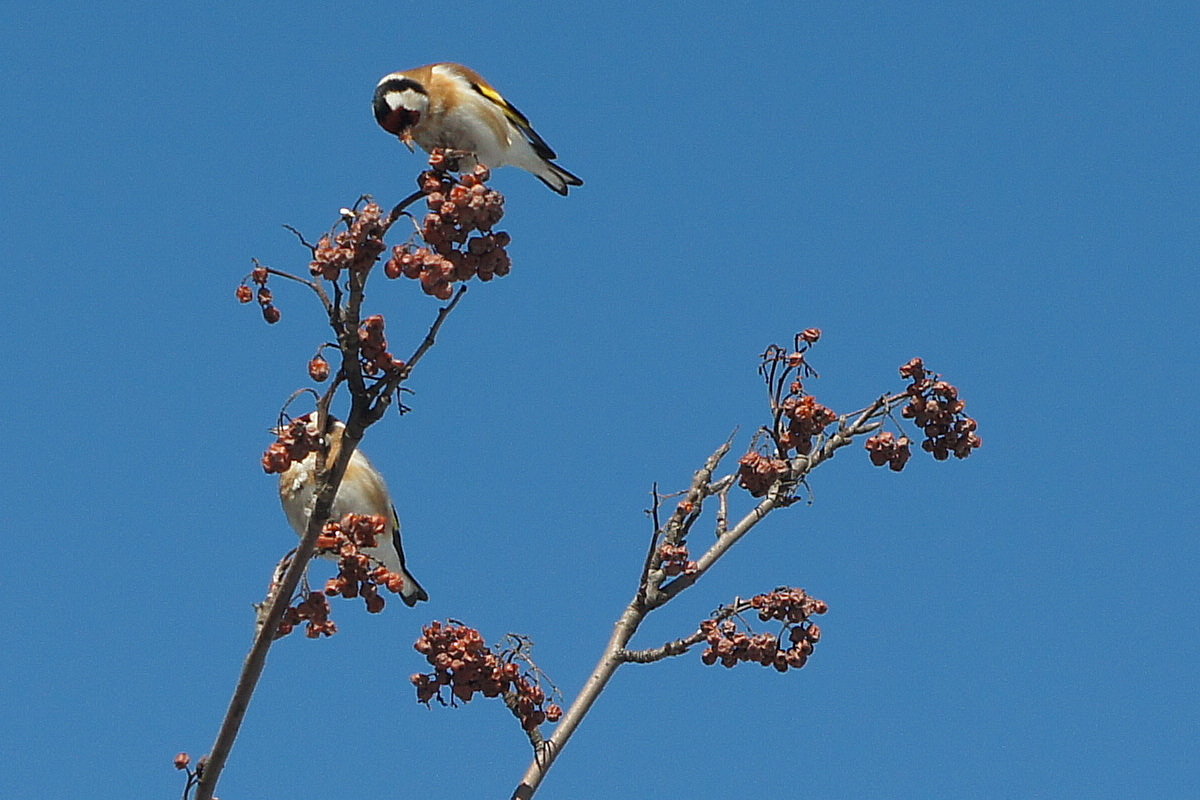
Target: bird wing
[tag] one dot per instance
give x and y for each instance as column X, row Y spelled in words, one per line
column 515, row 117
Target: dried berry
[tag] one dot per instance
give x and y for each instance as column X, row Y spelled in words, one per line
column 318, row 369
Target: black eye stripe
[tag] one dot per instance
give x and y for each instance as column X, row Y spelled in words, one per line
column 399, row 85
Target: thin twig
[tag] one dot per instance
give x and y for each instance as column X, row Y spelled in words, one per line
column 431, row 337
column 398, row 209
column 312, row 247
column 680, row 646
column 644, row 581
column 384, row 393
column 317, row 288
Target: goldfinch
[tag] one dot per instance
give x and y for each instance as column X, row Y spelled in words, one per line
column 453, row 107
column 362, row 491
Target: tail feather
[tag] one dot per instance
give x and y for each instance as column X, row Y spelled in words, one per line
column 557, row 178
column 413, row 592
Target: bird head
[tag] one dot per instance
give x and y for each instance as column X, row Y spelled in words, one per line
column 399, row 104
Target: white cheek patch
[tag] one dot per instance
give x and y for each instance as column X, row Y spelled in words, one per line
column 408, row 100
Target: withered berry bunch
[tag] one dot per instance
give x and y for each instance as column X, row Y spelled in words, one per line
column 463, row 662
column 356, row 248
column 358, row 573
column 937, row 408
column 798, row 416
column 674, row 559
column 373, row 347
column 730, row 645
column 789, row 605
column 294, row 443
column 313, row 610
column 887, row 448
column 265, row 299
column 459, row 205
column 805, row 419
column 758, row 472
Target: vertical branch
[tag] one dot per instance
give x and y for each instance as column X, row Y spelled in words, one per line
column 277, row 602
column 332, row 461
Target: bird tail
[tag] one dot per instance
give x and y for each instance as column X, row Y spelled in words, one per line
column 556, row 177
column 412, row 592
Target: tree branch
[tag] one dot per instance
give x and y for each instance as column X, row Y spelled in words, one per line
column 653, row 594
column 331, row 467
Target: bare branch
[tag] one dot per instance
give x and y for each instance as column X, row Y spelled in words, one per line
column 653, row 594
column 676, row 647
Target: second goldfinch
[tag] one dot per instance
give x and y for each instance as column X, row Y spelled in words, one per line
column 451, row 106
column 362, row 491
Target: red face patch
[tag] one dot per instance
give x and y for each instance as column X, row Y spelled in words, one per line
column 400, row 120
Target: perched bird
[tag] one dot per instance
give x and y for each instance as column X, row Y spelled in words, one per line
column 362, row 491
column 453, row 107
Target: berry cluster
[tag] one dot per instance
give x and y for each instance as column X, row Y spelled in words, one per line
column 459, row 205
column 265, row 299
column 358, row 573
column 887, row 448
column 806, row 418
column 674, row 559
column 356, row 248
column 293, row 444
column 313, row 610
column 757, row 472
column 935, row 405
column 798, row 416
column 463, row 662
column 373, row 347
column 731, row 646
column 788, row 605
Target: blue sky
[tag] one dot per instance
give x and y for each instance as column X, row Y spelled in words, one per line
column 1008, row 191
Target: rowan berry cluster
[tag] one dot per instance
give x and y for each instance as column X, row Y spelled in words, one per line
column 887, row 448
column 935, row 405
column 459, row 205
column 806, row 418
column 293, row 444
column 265, row 299
column 731, row 646
column 358, row 573
column 788, row 605
column 757, row 472
column 463, row 662
column 356, row 248
column 798, row 416
column 674, row 560
column 373, row 347
column 313, row 610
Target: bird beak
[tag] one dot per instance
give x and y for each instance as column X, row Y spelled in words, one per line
column 406, row 137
